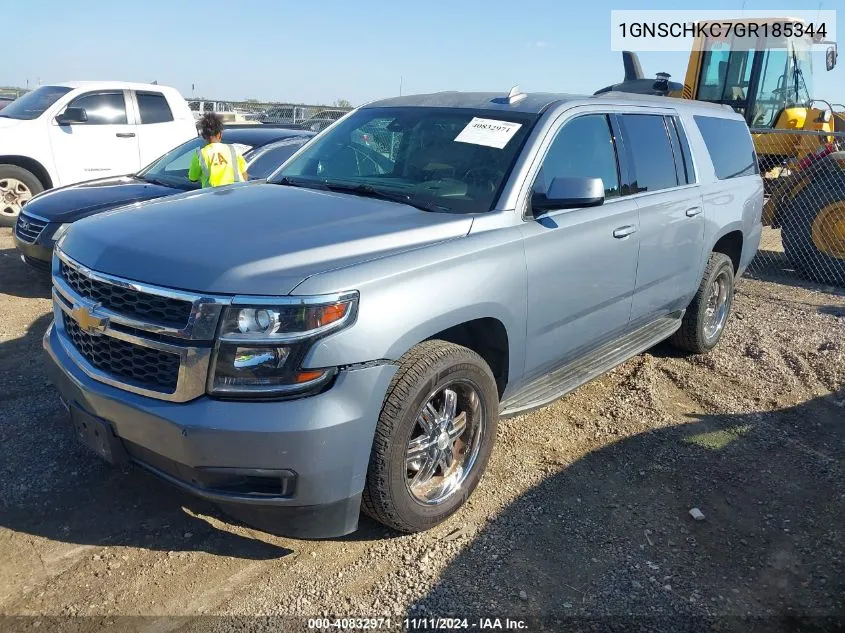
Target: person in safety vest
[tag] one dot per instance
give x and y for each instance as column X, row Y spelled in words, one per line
column 216, row 164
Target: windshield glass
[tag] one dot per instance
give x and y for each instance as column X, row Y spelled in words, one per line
column 803, row 71
column 33, row 104
column 785, row 80
column 453, row 159
column 172, row 168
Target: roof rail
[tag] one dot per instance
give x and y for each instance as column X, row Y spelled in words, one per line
column 631, row 96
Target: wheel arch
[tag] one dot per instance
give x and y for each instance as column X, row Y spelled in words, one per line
column 730, row 243
column 487, row 337
column 31, row 165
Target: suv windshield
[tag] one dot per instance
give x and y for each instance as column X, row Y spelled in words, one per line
column 447, row 158
column 33, row 104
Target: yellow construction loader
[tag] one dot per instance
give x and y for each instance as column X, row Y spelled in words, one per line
column 768, row 79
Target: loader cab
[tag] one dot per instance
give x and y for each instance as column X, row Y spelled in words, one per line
column 767, row 79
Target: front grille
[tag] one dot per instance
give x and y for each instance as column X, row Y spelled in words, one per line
column 126, row 301
column 28, row 229
column 144, row 366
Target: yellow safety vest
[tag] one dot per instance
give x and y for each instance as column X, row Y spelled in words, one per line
column 218, row 164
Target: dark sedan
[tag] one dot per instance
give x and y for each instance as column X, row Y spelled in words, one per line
column 44, row 218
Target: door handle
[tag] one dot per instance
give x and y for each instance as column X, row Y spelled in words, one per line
column 693, row 211
column 624, row 231
column 125, row 134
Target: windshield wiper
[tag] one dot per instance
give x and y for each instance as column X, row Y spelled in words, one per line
column 156, row 181
column 371, row 192
column 308, row 184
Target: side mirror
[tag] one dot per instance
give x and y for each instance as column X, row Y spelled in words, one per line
column 830, row 57
column 569, row 193
column 72, row 115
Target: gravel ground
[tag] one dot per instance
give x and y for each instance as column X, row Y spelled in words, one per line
column 583, row 517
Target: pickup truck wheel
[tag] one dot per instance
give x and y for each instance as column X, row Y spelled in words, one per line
column 17, row 186
column 434, row 437
column 708, row 312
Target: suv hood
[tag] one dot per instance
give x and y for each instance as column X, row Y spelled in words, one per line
column 74, row 202
column 262, row 239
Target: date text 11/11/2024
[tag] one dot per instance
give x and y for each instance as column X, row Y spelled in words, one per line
column 418, row 624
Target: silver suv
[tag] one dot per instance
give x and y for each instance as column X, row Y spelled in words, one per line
column 347, row 335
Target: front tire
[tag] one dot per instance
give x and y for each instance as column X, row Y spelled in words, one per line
column 17, row 186
column 434, row 437
column 707, row 314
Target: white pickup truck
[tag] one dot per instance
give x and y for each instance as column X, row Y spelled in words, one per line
column 65, row 133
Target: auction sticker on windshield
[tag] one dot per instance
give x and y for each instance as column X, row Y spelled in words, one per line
column 488, row 132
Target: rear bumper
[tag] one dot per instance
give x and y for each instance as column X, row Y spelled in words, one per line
column 293, row 467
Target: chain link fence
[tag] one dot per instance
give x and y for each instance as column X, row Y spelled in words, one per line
column 804, row 212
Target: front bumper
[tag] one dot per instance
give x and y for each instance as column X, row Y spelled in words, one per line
column 38, row 254
column 320, row 444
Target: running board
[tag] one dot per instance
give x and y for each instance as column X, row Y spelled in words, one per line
column 558, row 383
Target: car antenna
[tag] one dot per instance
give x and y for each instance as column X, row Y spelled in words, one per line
column 514, row 96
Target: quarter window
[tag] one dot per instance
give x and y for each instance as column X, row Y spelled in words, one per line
column 649, row 152
column 154, row 107
column 583, row 148
column 729, row 145
column 102, row 108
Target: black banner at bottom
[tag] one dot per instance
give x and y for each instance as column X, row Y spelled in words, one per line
column 292, row 624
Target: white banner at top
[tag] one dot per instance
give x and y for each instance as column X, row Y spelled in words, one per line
column 683, row 30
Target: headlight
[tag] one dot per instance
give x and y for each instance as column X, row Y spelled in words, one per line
column 60, row 231
column 262, row 346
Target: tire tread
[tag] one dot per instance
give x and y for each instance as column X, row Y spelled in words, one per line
column 689, row 336
column 414, row 366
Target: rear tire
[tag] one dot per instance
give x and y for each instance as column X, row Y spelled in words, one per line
column 17, row 186
column 707, row 314
column 813, row 232
column 414, row 432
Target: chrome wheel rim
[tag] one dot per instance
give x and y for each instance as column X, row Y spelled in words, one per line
column 444, row 443
column 13, row 194
column 716, row 312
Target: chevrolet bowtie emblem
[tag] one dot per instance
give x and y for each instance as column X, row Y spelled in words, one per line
column 88, row 321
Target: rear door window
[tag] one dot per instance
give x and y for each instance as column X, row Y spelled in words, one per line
column 649, row 152
column 154, row 107
column 729, row 144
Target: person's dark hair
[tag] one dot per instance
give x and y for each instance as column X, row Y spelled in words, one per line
column 210, row 124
